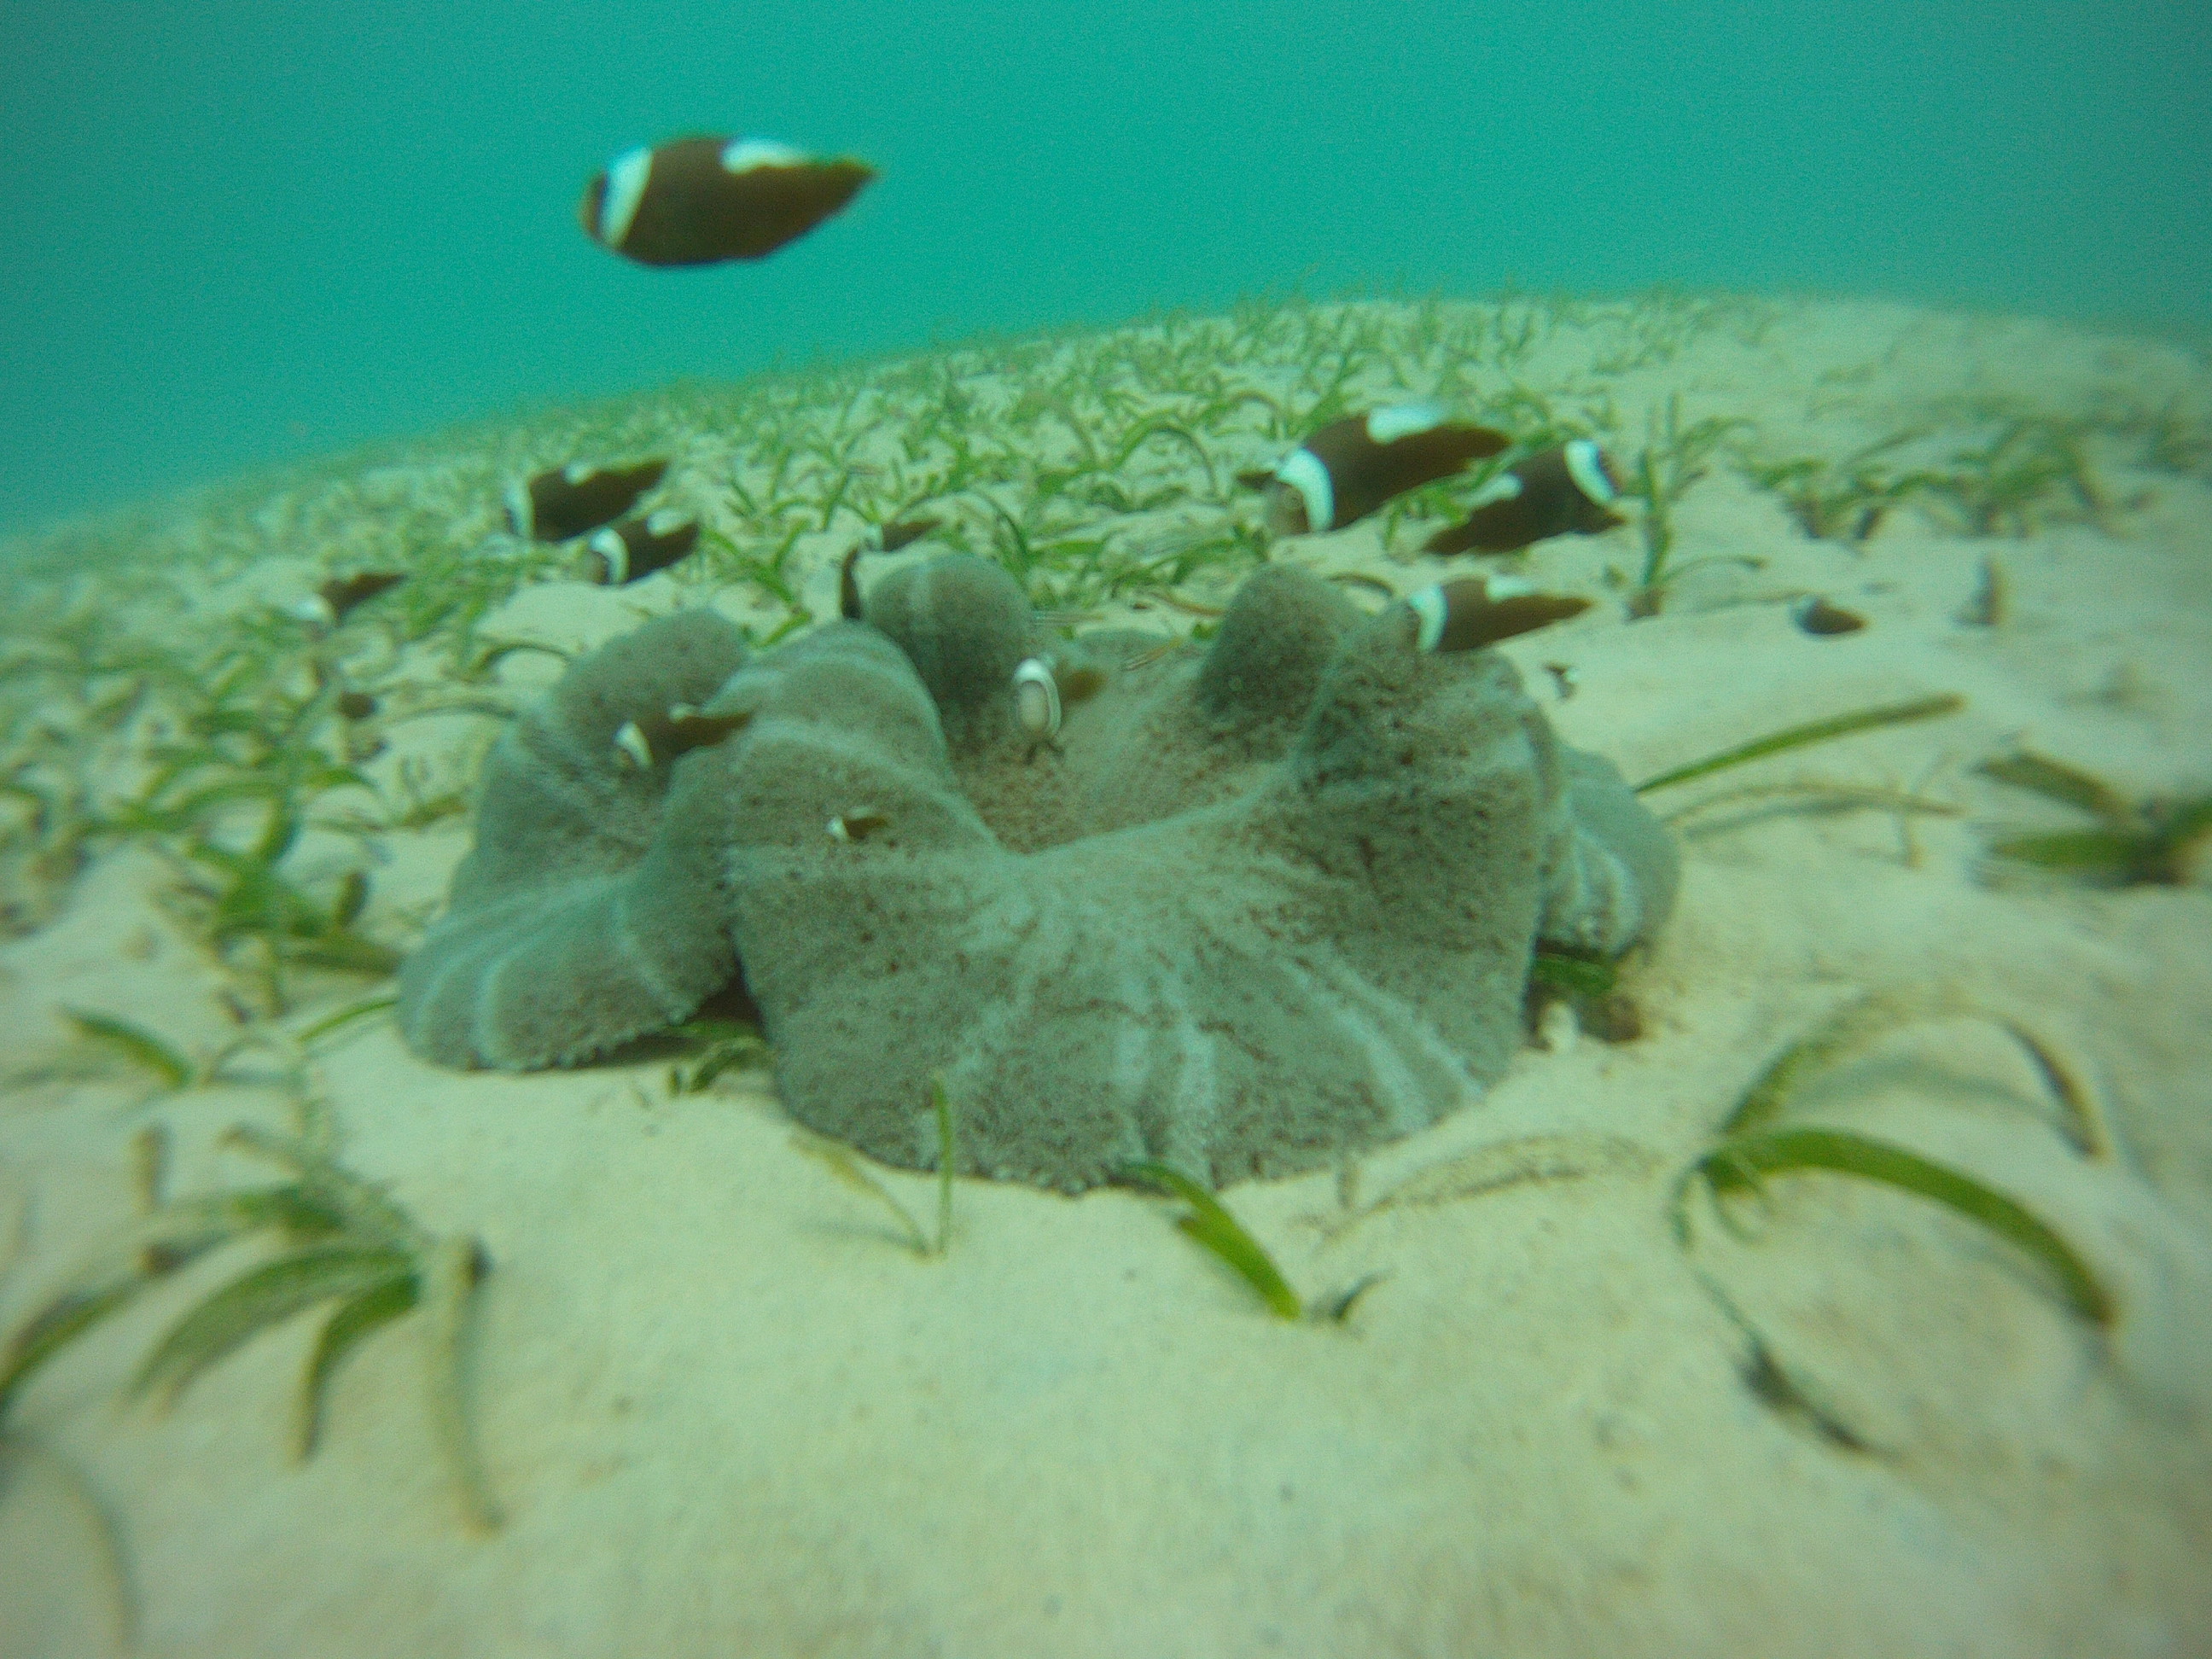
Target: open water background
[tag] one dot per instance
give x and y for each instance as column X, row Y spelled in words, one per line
column 231, row 235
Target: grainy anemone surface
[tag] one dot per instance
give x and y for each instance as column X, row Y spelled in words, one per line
column 1251, row 907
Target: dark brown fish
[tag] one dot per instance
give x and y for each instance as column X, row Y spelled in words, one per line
column 344, row 594
column 901, row 532
column 849, row 605
column 331, row 604
column 635, row 548
column 658, row 739
column 890, row 538
column 1472, row 612
column 1814, row 615
column 1351, row 467
column 700, row 201
column 563, row 502
column 1569, row 490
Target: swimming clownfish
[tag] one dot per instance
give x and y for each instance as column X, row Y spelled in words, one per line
column 700, row 201
column 338, row 598
column 1555, row 492
column 567, row 501
column 635, row 548
column 1351, row 467
column 1470, row 613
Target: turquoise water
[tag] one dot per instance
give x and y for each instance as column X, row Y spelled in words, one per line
column 234, row 236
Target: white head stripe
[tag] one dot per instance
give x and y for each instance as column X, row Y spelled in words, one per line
column 576, row 471
column 1495, row 588
column 521, row 515
column 1036, row 698
column 1302, row 470
column 1428, row 610
column 744, row 155
column 626, row 180
column 1587, row 468
column 1503, row 488
column 630, row 740
column 610, row 546
column 663, row 519
column 1397, row 421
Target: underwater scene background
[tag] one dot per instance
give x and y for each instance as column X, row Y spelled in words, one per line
column 238, row 237
column 1347, row 831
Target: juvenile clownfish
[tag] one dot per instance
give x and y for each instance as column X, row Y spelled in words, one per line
column 658, row 739
column 567, row 501
column 1351, row 467
column 1569, row 490
column 902, row 532
column 700, row 201
column 635, row 548
column 889, row 538
column 1471, row 613
column 335, row 599
column 1814, row 614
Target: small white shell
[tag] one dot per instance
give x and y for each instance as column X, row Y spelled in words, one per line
column 1037, row 699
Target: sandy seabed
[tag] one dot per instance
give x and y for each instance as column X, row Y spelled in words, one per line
column 725, row 1410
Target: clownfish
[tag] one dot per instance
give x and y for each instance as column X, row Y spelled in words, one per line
column 1814, row 615
column 567, row 501
column 338, row 598
column 635, row 548
column 1351, row 467
column 658, row 739
column 1470, row 613
column 700, row 201
column 890, row 538
column 1555, row 492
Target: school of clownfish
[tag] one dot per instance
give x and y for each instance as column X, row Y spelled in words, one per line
column 700, row 201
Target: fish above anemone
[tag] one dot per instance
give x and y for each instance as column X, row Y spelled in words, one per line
column 1472, row 612
column 1244, row 906
column 634, row 548
column 562, row 502
column 339, row 597
column 701, row 201
column 1351, row 467
column 1566, row 490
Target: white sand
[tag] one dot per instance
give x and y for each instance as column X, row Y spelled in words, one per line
column 726, row 1411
